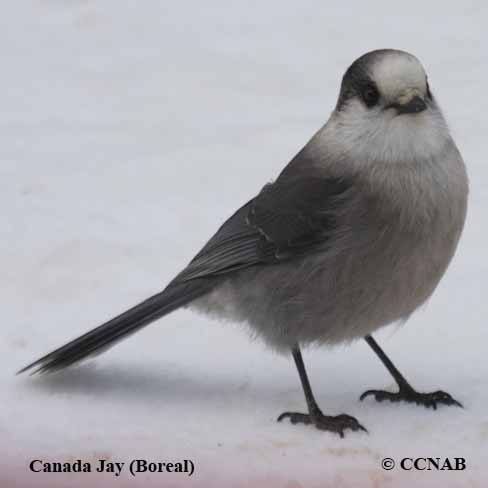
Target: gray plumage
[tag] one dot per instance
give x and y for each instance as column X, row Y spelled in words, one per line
column 354, row 234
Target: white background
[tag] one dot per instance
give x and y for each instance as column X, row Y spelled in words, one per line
column 129, row 131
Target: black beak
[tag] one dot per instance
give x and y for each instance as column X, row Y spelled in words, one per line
column 414, row 106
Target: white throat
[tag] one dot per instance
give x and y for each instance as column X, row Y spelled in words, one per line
column 369, row 136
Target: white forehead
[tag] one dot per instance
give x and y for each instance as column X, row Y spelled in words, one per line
column 397, row 71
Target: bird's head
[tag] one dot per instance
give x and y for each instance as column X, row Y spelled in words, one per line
column 385, row 82
column 386, row 109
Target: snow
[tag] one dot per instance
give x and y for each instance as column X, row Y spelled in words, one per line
column 129, row 131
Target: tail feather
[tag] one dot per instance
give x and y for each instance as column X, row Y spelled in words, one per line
column 106, row 335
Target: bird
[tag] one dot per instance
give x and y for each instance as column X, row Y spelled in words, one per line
column 353, row 235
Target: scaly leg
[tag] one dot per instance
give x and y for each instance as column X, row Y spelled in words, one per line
column 405, row 392
column 315, row 416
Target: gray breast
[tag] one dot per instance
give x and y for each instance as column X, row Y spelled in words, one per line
column 386, row 257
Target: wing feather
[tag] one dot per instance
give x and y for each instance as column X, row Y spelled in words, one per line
column 290, row 217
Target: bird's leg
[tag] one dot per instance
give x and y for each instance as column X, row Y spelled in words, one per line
column 405, row 392
column 315, row 416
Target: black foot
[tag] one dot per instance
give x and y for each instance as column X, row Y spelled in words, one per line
column 409, row 395
column 324, row 422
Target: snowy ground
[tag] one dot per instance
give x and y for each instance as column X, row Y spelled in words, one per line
column 129, row 131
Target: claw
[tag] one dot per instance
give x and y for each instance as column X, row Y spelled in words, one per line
column 337, row 424
column 370, row 392
column 428, row 400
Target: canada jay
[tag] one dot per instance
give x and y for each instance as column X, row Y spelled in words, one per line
column 354, row 234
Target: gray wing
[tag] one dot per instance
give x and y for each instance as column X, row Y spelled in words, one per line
column 288, row 218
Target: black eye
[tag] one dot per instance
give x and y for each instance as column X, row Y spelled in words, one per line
column 370, row 95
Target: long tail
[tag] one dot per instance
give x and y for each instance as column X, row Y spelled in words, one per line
column 120, row 327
